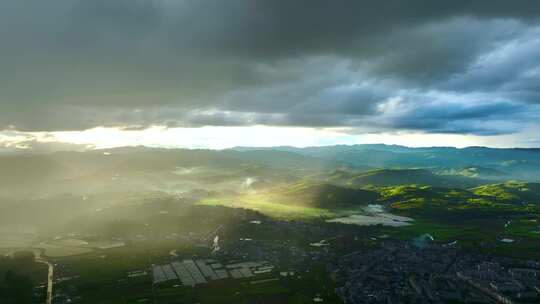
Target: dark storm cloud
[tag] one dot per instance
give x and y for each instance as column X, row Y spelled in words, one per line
column 77, row 64
column 479, row 118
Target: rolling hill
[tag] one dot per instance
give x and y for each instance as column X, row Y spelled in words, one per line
column 394, row 177
column 514, row 192
column 323, row 195
column 484, row 201
column 523, row 164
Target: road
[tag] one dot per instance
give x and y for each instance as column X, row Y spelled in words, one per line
column 50, row 280
column 50, row 277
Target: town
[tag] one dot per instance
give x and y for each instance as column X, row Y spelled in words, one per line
column 355, row 268
column 401, row 272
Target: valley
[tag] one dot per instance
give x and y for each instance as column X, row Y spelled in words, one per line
column 106, row 219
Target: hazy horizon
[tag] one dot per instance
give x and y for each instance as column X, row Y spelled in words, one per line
column 77, row 148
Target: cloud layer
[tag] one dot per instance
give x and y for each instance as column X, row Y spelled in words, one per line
column 460, row 67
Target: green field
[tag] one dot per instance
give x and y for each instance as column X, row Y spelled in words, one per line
column 267, row 205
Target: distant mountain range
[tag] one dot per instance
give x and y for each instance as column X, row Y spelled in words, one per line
column 357, row 165
column 515, row 163
column 394, row 177
column 476, row 181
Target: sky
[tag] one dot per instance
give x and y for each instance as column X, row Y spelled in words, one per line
column 78, row 74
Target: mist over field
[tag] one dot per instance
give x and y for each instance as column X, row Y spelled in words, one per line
column 97, row 191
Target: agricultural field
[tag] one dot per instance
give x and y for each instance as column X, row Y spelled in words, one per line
column 299, row 289
column 267, row 205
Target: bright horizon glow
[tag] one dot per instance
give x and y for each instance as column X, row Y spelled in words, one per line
column 253, row 136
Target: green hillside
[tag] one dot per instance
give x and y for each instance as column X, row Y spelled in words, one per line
column 514, row 192
column 414, row 199
column 325, row 195
column 481, row 172
column 299, row 200
column 394, row 177
column 484, row 201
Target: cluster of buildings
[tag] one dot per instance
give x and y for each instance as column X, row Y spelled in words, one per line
column 363, row 269
column 401, row 272
column 277, row 252
column 197, row 272
column 504, row 280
